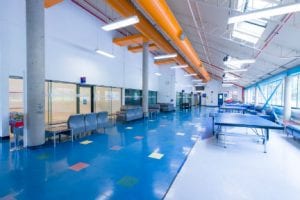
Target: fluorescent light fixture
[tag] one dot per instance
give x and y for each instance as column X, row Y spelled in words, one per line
column 230, row 79
column 265, row 13
column 235, row 70
column 179, row 66
column 104, row 53
column 157, row 74
column 121, row 23
column 172, row 55
column 226, row 81
column 190, row 75
column 227, row 84
column 197, row 80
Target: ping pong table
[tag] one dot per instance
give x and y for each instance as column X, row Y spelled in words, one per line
column 253, row 122
column 233, row 109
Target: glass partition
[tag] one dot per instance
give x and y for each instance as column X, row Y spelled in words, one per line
column 152, row 99
column 116, row 99
column 107, row 99
column 61, row 101
column 16, row 93
column 295, row 87
column 102, row 99
column 133, row 97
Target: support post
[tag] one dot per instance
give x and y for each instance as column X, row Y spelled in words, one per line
column 145, row 77
column 4, row 103
column 287, row 98
column 35, row 73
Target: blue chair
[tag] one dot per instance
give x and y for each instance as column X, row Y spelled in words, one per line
column 76, row 123
column 90, row 122
column 294, row 127
column 102, row 120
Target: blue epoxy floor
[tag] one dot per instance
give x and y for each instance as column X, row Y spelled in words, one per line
column 122, row 172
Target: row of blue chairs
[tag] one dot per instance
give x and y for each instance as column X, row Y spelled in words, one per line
column 87, row 123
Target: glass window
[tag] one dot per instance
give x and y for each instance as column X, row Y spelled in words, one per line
column 178, row 98
column 133, row 97
column 102, row 99
column 107, row 99
column 294, row 85
column 16, row 95
column 116, row 99
column 62, row 101
column 152, row 99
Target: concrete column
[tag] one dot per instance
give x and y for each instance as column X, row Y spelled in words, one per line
column 145, row 78
column 287, row 98
column 35, row 73
column 4, row 103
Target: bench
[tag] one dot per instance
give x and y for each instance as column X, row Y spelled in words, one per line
column 293, row 125
column 87, row 123
column 130, row 113
column 167, row 107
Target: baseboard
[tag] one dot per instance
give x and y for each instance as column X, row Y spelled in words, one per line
column 4, row 138
column 37, row 147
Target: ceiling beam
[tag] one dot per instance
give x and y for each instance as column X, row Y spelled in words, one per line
column 139, row 48
column 164, row 61
column 130, row 40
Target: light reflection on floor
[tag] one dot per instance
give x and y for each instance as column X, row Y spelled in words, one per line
column 114, row 165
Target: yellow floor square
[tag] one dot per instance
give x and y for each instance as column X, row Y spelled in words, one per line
column 155, row 155
column 85, row 142
column 180, row 134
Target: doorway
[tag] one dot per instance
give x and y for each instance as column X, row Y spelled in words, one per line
column 84, row 99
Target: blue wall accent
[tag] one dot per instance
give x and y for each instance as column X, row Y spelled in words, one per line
column 288, row 72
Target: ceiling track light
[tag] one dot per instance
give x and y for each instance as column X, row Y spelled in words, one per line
column 197, row 80
column 227, row 84
column 105, row 53
column 166, row 56
column 190, row 75
column 129, row 21
column 235, row 70
column 179, row 66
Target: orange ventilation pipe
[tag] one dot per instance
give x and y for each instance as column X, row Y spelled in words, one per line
column 162, row 15
column 49, row 3
column 125, row 8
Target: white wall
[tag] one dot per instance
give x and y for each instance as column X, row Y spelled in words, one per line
column 172, row 81
column 183, row 82
column 72, row 35
column 211, row 90
column 214, row 87
column 167, row 81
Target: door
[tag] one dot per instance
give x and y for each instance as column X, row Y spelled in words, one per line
column 220, row 99
column 84, row 99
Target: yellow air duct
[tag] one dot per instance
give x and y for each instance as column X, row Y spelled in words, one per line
column 125, row 8
column 162, row 15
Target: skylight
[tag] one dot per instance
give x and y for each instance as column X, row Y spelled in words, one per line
column 252, row 30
